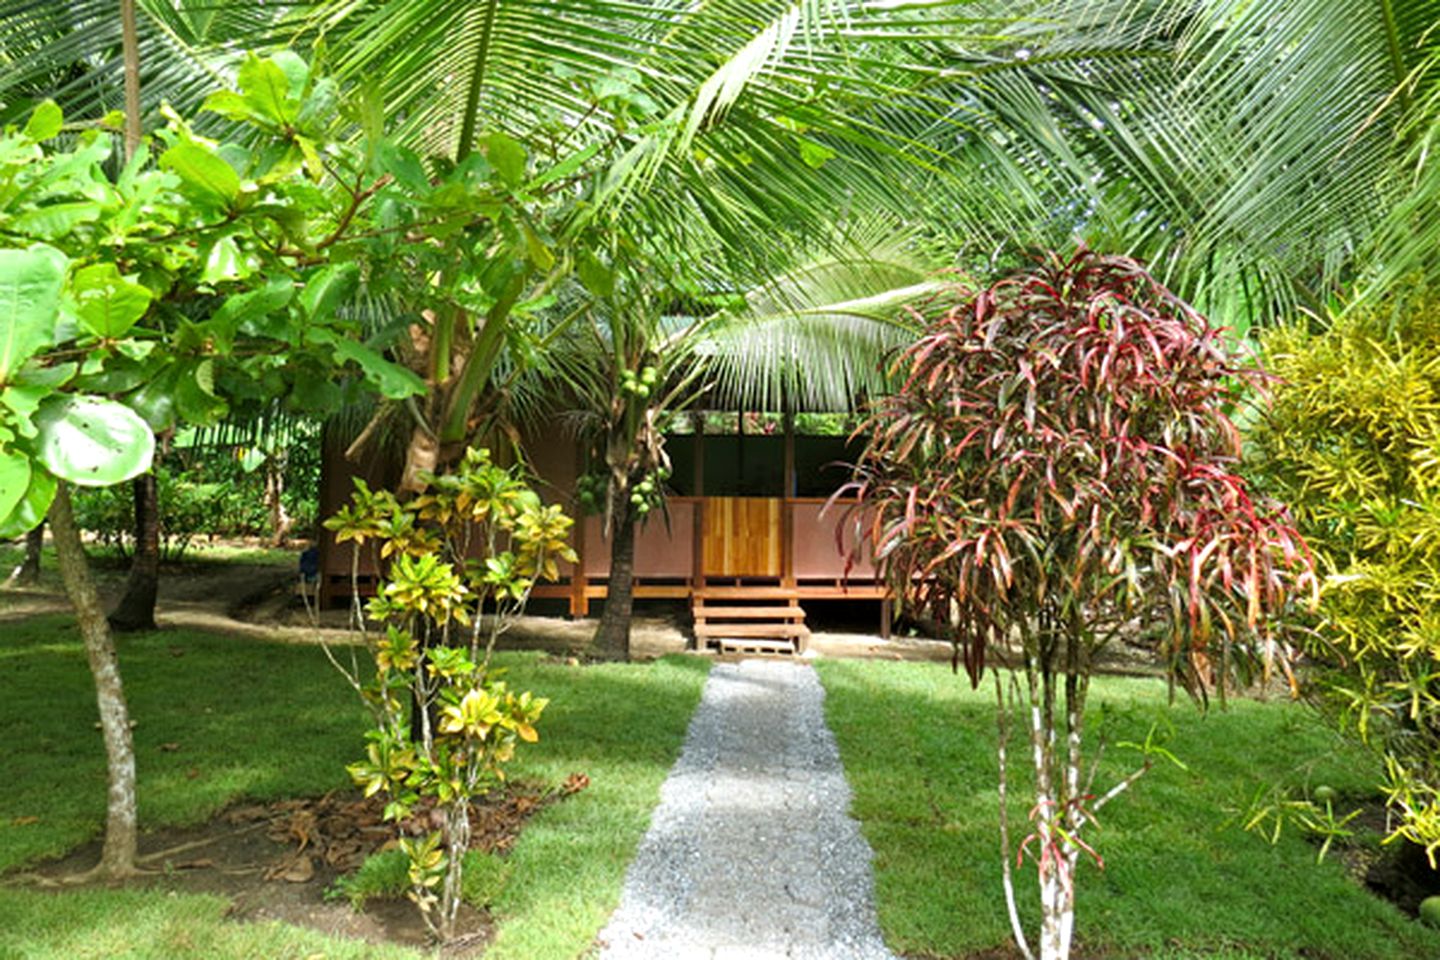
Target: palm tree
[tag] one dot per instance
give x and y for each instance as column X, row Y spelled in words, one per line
column 809, row 337
column 1249, row 151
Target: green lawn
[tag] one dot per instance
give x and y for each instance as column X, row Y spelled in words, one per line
column 1178, row 882
column 259, row 721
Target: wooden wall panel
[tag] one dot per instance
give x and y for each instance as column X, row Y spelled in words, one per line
column 742, row 536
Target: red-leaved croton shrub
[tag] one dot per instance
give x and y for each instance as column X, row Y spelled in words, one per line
column 1058, row 468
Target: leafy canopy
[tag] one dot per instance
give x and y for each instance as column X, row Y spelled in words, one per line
column 1059, row 462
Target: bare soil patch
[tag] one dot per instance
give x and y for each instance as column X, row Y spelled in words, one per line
column 280, row 861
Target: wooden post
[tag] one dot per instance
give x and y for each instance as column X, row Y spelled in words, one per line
column 697, row 561
column 579, row 605
column 787, row 506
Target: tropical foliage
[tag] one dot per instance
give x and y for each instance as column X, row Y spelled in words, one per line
column 1056, row 471
column 445, row 723
column 1351, row 443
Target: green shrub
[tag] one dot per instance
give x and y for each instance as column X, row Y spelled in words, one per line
column 1352, row 442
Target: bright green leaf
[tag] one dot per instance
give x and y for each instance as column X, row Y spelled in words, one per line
column 30, row 285
column 207, row 177
column 594, row 274
column 91, row 441
column 391, row 379
column 245, row 311
column 266, row 90
column 540, row 254
column 224, row 261
column 507, row 156
column 55, row 220
column 326, row 290
column 32, row 506
column 402, row 164
column 14, row 479
column 45, row 122
column 107, row 304
column 22, row 401
column 228, row 104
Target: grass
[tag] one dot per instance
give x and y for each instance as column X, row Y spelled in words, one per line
column 221, row 719
column 1181, row 880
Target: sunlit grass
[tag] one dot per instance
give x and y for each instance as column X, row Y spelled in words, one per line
column 1181, row 880
column 220, row 719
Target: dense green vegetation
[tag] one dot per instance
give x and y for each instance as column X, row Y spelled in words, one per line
column 1351, row 443
column 262, row 721
column 412, row 210
column 1182, row 879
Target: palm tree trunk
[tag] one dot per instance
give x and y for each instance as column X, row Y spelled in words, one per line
column 136, row 609
column 130, row 51
column 612, row 637
column 117, row 858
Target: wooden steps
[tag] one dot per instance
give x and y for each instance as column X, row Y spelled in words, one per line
column 749, row 620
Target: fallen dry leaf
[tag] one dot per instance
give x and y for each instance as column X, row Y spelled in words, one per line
column 24, row 821
column 170, row 747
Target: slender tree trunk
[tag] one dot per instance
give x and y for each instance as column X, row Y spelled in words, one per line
column 136, row 609
column 130, row 51
column 117, row 859
column 275, row 501
column 28, row 572
column 612, row 637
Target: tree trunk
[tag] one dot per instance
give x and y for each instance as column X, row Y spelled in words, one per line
column 275, row 500
column 136, row 609
column 612, row 637
column 28, row 572
column 130, row 52
column 117, row 858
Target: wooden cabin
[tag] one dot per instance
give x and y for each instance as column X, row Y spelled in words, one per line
column 745, row 544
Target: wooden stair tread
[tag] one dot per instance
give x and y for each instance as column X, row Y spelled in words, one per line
column 746, row 593
column 721, row 630
column 748, row 613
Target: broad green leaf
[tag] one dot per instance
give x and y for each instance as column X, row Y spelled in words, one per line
column 224, row 261
column 266, row 90
column 155, row 401
column 228, row 104
column 372, row 114
column 207, row 177
column 326, row 290
column 31, row 282
column 45, row 122
column 403, row 164
column 55, row 220
column 32, row 506
column 107, row 304
column 540, row 254
column 247, row 311
column 391, row 379
column 195, row 397
column 595, row 275
column 14, row 479
column 507, row 157
column 91, row 441
column 22, row 401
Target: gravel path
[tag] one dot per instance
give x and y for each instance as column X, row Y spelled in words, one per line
column 751, row 853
